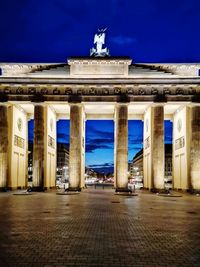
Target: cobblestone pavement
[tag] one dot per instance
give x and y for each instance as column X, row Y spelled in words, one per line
column 99, row 228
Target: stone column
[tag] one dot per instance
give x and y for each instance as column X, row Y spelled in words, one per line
column 153, row 155
column 50, row 145
column 38, row 147
column 121, row 146
column 3, row 146
column 195, row 148
column 158, row 161
column 77, row 149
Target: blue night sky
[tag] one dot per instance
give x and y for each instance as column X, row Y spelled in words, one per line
column 100, row 140
column 146, row 30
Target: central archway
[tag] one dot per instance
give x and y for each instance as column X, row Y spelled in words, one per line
column 99, row 149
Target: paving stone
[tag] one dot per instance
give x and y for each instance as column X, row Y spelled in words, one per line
column 99, row 228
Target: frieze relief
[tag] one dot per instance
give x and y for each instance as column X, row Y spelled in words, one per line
column 154, row 91
column 56, row 91
column 19, row 90
column 68, row 91
column 18, row 141
column 6, row 90
column 31, row 90
column 44, row 91
column 179, row 143
column 93, row 90
column 166, row 91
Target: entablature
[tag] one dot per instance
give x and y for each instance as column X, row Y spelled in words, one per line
column 151, row 89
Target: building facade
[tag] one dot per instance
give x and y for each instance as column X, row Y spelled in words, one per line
column 62, row 162
column 99, row 88
column 136, row 166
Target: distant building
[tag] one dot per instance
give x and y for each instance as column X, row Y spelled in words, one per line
column 168, row 161
column 30, row 161
column 90, row 172
column 136, row 166
column 62, row 161
column 62, row 155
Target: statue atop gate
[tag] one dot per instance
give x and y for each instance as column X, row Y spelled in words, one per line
column 99, row 40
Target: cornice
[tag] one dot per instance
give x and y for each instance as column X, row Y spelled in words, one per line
column 128, row 80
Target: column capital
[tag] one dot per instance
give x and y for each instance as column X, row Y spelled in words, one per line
column 30, row 116
column 80, row 104
column 42, row 104
column 4, row 104
column 118, row 104
column 17, row 107
column 158, row 104
column 192, row 105
column 51, row 108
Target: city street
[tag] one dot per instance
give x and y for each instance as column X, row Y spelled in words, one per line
column 99, row 228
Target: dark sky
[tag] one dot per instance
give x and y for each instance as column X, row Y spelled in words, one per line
column 146, row 30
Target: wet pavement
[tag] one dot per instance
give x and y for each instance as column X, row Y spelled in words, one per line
column 99, row 228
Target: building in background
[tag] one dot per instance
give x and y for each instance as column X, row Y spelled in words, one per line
column 136, row 167
column 168, row 161
column 62, row 173
column 30, row 163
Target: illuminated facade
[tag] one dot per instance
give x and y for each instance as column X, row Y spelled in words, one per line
column 99, row 88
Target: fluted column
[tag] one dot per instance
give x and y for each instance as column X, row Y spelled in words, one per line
column 38, row 147
column 153, row 156
column 77, row 147
column 195, row 148
column 3, row 146
column 158, row 159
column 121, row 146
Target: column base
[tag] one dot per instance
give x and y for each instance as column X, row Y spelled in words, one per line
column 3, row 189
column 15, row 188
column 193, row 191
column 123, row 190
column 49, row 188
column 73, row 189
column 160, row 190
column 38, row 189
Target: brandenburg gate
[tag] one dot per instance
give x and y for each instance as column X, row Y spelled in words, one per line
column 99, row 87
